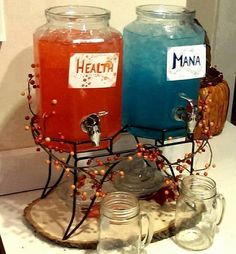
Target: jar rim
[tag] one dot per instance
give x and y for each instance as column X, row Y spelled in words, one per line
column 164, row 11
column 201, row 186
column 120, row 205
column 77, row 12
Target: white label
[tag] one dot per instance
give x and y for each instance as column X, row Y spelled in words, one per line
column 186, row 62
column 93, row 70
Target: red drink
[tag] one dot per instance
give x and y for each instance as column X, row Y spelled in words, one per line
column 79, row 73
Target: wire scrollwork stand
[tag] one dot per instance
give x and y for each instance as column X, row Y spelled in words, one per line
column 75, row 154
column 76, row 169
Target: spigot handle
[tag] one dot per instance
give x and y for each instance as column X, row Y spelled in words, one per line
column 102, row 113
column 189, row 100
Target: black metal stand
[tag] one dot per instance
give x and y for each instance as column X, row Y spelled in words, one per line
column 76, row 154
column 75, row 170
column 2, row 249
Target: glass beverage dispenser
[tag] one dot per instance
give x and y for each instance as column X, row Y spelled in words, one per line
column 164, row 57
column 78, row 59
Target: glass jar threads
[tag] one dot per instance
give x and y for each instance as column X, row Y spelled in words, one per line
column 164, row 57
column 122, row 225
column 78, row 59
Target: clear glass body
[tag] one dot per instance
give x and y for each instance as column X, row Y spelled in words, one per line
column 141, row 179
column 149, row 98
column 120, row 227
column 199, row 210
column 78, row 37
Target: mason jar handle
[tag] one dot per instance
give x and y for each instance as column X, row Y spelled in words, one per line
column 220, row 205
column 149, row 232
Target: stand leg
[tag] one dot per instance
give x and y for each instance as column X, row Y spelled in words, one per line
column 192, row 160
column 44, row 193
column 46, row 189
column 67, row 234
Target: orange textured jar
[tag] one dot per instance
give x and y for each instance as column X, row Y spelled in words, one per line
column 78, row 59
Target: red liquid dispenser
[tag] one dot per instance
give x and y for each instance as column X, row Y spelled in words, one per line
column 78, row 59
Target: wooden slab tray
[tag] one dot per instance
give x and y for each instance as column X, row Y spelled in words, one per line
column 50, row 217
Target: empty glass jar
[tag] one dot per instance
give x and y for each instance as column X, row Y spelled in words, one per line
column 122, row 226
column 199, row 210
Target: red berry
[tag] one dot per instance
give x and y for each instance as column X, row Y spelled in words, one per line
column 189, row 162
column 100, row 163
column 89, row 162
column 116, row 157
column 139, row 154
column 109, row 158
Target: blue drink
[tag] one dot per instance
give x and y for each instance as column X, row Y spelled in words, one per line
column 149, row 98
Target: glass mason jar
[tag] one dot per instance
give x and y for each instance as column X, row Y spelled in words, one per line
column 121, row 226
column 164, row 57
column 78, row 59
column 199, row 210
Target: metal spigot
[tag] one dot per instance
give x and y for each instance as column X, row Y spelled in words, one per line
column 91, row 125
column 189, row 114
